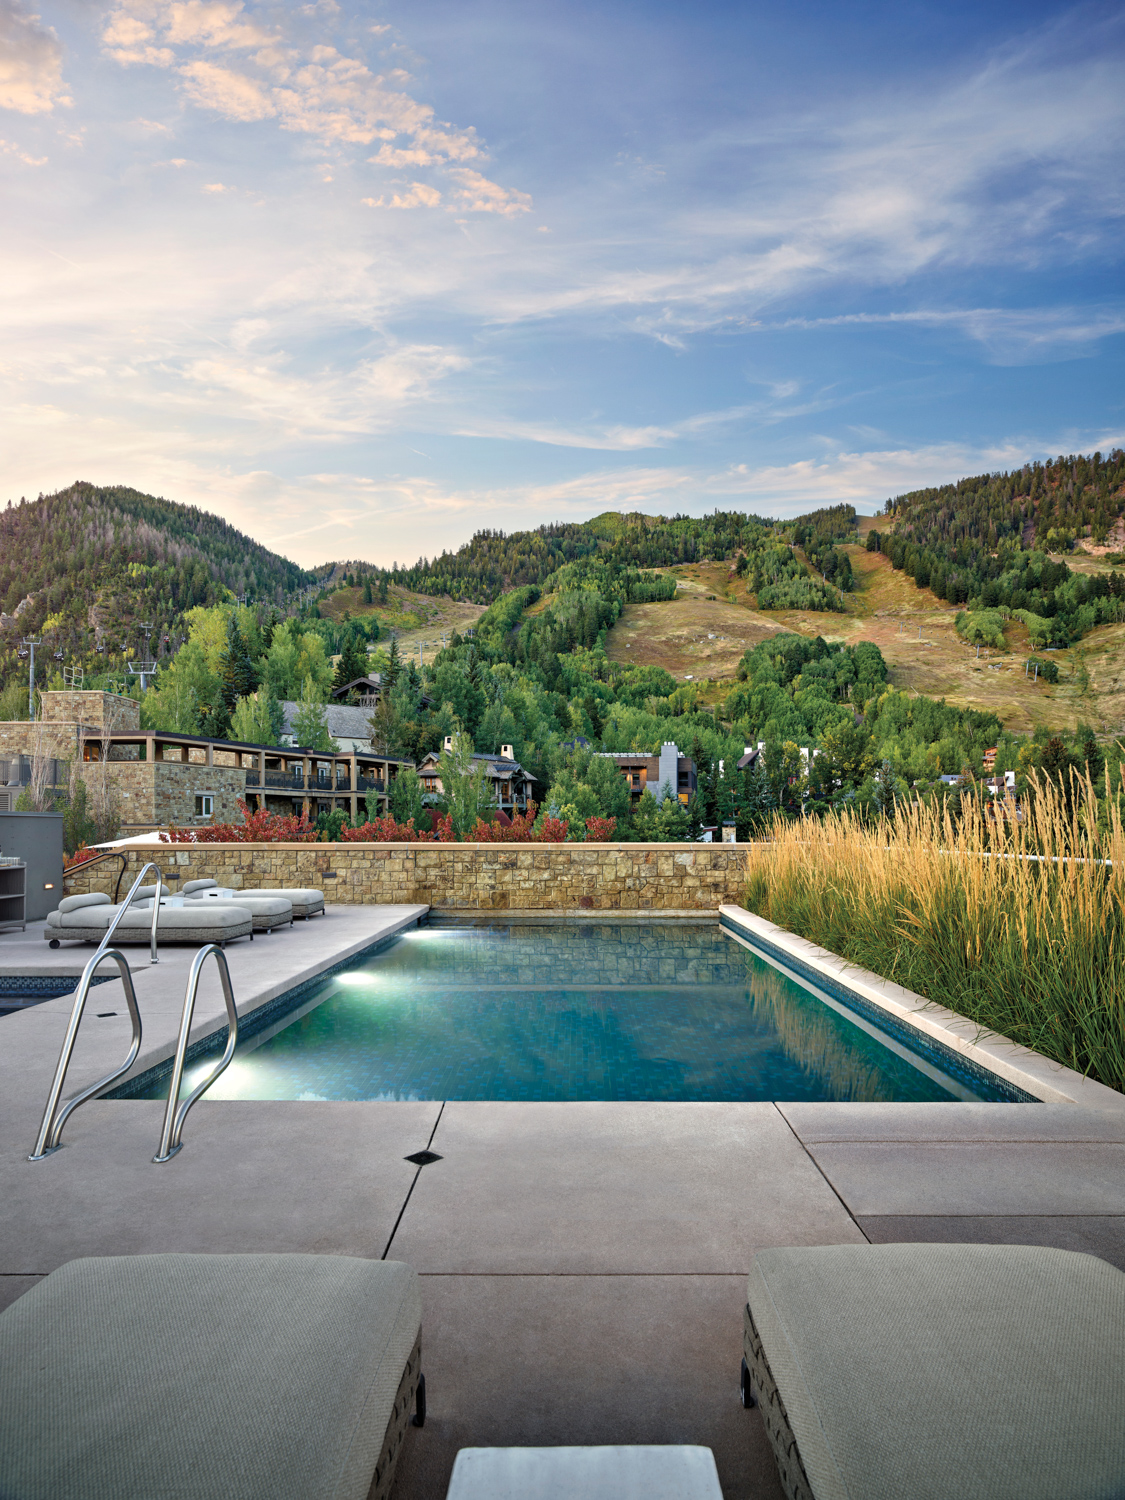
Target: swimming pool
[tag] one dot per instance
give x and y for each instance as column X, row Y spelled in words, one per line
column 669, row 1011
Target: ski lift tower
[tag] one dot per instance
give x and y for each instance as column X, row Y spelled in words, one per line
column 146, row 667
column 30, row 643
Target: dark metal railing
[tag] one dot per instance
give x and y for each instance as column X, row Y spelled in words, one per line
column 290, row 781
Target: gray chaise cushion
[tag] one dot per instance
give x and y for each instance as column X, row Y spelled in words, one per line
column 193, row 923
column 245, row 1377
column 981, row 1372
column 304, row 901
column 76, row 903
column 268, row 910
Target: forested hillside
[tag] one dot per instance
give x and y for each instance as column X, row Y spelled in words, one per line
column 985, row 542
column 93, row 564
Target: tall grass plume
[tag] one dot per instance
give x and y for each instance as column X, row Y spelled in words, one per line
column 1017, row 924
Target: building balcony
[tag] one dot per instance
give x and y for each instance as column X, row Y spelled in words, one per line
column 287, row 781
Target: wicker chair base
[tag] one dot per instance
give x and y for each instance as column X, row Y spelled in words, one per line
column 401, row 1414
column 794, row 1480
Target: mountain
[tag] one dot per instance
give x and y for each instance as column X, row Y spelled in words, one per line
column 494, row 562
column 88, row 565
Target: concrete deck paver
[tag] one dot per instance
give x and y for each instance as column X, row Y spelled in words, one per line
column 614, row 1187
column 932, row 1122
column 975, row 1178
column 1091, row 1234
column 283, row 1176
column 546, row 1360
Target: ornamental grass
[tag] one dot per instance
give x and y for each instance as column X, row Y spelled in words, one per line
column 1017, row 923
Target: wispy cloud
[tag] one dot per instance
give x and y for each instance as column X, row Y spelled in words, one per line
column 1011, row 335
column 317, row 91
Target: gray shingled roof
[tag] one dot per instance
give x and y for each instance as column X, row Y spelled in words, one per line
column 347, row 720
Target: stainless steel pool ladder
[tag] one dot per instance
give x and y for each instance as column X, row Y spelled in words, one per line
column 174, row 1112
column 54, row 1118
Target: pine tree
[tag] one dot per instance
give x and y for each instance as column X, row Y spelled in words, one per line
column 352, row 663
column 235, row 667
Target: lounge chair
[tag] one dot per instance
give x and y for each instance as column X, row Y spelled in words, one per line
column 984, row 1372
column 269, row 908
column 305, row 902
column 246, row 1377
column 84, row 919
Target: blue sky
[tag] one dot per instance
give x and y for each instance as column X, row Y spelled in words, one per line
column 366, row 278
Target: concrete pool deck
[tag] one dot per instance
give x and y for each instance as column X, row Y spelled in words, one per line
column 583, row 1265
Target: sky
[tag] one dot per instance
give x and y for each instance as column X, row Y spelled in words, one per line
column 367, row 278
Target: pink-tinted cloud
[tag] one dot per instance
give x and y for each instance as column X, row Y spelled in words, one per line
column 31, row 79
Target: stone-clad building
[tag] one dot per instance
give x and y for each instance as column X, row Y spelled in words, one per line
column 160, row 779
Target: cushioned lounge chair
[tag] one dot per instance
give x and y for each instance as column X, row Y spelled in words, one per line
column 928, row 1372
column 192, row 1377
column 268, row 909
column 305, row 902
column 84, row 919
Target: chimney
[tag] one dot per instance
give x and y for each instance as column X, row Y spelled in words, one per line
column 449, row 744
column 507, row 752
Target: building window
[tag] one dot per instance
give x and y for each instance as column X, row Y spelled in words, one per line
column 204, row 804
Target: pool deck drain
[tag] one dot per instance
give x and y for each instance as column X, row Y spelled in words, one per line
column 583, row 1264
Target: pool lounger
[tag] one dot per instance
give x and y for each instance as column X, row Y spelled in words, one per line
column 84, row 919
column 247, row 1377
column 268, row 908
column 305, row 902
column 985, row 1372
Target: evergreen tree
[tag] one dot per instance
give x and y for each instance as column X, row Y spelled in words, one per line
column 367, row 599
column 352, row 663
column 394, row 665
column 235, row 667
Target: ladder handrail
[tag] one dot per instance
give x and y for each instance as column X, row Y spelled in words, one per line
column 50, row 1131
column 54, row 1119
column 113, row 926
column 174, row 1117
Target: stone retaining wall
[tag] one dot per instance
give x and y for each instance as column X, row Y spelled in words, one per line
column 494, row 877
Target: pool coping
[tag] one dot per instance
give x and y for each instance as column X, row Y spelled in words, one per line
column 1039, row 1076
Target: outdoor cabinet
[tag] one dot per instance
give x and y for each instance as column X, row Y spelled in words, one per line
column 13, row 895
column 36, row 840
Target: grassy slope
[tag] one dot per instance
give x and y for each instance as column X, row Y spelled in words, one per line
column 697, row 635
column 413, row 617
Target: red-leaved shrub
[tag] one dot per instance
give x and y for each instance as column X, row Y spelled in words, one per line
column 600, row 830
column 256, row 828
column 384, row 831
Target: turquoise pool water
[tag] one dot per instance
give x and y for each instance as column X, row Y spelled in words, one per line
column 569, row 1011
